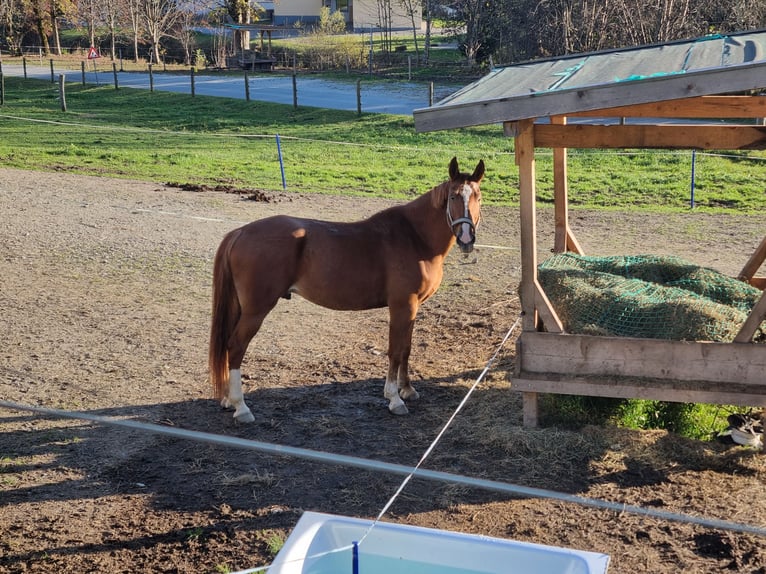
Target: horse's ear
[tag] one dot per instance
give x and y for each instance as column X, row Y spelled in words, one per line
column 454, row 170
column 478, row 173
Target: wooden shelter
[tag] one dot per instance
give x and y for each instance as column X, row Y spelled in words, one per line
column 648, row 97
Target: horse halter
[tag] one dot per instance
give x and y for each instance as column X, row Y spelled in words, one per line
column 466, row 245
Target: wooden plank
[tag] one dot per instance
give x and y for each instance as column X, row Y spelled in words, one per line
column 651, row 136
column 583, row 355
column 525, row 158
column 723, row 107
column 572, row 244
column 753, row 321
column 754, row 263
column 703, row 392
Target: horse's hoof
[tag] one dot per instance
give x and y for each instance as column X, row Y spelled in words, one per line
column 246, row 417
column 400, row 409
column 409, row 394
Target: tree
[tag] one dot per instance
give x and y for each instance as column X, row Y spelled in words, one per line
column 42, row 23
column 159, row 18
column 133, row 9
column 13, row 19
column 411, row 9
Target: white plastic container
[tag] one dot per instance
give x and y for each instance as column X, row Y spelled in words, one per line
column 323, row 544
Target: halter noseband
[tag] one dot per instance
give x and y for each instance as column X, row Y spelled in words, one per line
column 460, row 220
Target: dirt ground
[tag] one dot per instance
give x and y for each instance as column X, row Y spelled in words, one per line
column 105, row 296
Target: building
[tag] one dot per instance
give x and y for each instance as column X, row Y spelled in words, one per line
column 360, row 15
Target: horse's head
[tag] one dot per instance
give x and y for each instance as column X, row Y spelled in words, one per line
column 463, row 203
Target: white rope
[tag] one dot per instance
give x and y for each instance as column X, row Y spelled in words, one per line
column 433, row 444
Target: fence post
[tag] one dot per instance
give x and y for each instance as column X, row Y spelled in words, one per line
column 62, row 92
column 694, row 165
column 281, row 163
column 192, row 81
column 430, row 94
column 82, row 66
column 151, row 78
column 53, row 78
column 247, row 88
column 114, row 71
column 359, row 97
column 2, row 89
column 295, row 91
column 24, row 64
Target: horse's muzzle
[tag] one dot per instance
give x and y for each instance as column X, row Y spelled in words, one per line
column 465, row 233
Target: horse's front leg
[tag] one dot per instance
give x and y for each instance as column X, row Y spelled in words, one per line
column 398, row 387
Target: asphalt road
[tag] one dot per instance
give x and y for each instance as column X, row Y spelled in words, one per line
column 377, row 97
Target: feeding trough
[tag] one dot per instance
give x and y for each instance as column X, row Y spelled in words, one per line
column 325, row 544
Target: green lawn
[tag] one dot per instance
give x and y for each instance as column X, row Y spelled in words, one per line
column 178, row 138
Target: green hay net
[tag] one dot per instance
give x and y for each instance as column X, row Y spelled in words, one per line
column 646, row 296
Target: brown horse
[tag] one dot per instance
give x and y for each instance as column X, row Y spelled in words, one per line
column 394, row 258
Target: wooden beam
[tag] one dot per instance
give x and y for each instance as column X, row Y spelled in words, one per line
column 720, row 107
column 754, row 263
column 585, row 355
column 637, row 388
column 682, row 136
column 546, row 311
column 753, row 321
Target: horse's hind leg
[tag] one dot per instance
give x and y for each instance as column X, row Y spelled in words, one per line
column 247, row 326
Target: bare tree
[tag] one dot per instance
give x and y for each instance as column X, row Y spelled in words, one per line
column 111, row 11
column 133, row 12
column 412, row 9
column 385, row 18
column 89, row 12
column 160, row 16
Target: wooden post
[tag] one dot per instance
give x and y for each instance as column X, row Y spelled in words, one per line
column 525, row 159
column 295, row 91
column 151, row 78
column 53, row 78
column 82, row 67
column 114, row 72
column 192, row 81
column 2, row 89
column 430, row 94
column 24, row 65
column 62, row 92
column 247, row 88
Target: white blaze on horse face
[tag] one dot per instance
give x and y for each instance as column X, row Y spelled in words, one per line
column 465, row 229
column 237, row 398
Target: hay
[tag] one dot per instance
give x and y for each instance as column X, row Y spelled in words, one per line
column 646, row 296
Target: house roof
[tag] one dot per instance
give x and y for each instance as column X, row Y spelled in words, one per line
column 714, row 64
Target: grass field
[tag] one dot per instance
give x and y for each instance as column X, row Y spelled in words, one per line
column 178, row 138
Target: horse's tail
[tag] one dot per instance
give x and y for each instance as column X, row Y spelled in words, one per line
column 226, row 311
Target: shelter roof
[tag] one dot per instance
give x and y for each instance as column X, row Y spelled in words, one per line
column 710, row 65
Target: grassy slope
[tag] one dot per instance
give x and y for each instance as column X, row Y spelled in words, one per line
column 204, row 140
